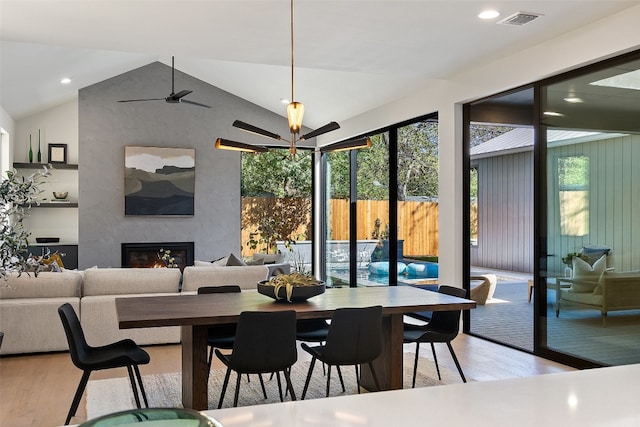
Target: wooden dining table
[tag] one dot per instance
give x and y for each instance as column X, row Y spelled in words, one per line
column 194, row 313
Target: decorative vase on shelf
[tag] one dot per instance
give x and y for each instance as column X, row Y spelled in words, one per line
column 39, row 152
column 30, row 150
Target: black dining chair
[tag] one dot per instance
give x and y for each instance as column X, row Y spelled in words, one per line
column 219, row 336
column 313, row 330
column 354, row 338
column 442, row 328
column 265, row 343
column 124, row 353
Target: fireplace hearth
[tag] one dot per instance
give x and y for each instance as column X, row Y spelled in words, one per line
column 147, row 255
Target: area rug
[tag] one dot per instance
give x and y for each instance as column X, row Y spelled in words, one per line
column 164, row 390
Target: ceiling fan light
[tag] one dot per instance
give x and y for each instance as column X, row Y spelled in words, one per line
column 295, row 112
column 227, row 144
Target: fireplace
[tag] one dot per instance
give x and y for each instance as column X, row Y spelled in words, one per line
column 147, row 255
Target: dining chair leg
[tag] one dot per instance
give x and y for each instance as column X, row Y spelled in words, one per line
column 306, row 382
column 224, row 387
column 134, row 388
column 142, row 391
column 328, row 380
column 237, row 393
column 435, row 359
column 455, row 360
column 77, row 396
column 341, row 380
column 357, row 379
column 279, row 386
column 415, row 365
column 287, row 377
column 264, row 390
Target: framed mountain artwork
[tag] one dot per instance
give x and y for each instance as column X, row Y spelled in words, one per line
column 159, row 181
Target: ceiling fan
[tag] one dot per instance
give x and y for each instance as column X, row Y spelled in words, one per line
column 295, row 111
column 173, row 98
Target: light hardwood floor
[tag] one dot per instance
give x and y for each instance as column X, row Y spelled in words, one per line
column 36, row 390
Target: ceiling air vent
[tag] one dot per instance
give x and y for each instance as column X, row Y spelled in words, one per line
column 520, row 18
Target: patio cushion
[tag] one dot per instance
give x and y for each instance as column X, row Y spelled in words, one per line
column 582, row 270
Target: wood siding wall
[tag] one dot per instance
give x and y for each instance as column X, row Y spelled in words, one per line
column 505, row 213
column 418, row 223
column 613, row 201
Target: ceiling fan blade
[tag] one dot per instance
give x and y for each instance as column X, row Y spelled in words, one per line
column 195, row 103
column 145, row 99
column 320, row 131
column 180, row 94
column 253, row 129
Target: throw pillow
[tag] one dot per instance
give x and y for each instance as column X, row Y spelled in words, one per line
column 203, row 263
column 256, row 262
column 220, row 262
column 582, row 270
column 235, row 261
column 269, row 258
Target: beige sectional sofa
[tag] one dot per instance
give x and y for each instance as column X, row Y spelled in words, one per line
column 29, row 310
column 101, row 287
column 29, row 305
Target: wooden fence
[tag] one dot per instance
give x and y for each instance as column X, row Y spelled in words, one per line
column 417, row 223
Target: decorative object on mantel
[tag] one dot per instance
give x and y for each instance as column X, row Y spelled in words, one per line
column 17, row 194
column 39, row 151
column 159, row 181
column 60, row 195
column 57, row 153
column 30, row 150
column 294, row 287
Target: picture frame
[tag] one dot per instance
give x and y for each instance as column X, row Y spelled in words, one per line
column 57, row 153
column 159, row 181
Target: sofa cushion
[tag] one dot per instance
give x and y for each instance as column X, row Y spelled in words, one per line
column 45, row 285
column 247, row 277
column 122, row 281
column 590, row 274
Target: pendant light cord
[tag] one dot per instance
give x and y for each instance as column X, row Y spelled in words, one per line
column 292, row 98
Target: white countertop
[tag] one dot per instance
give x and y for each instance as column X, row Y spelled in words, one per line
column 596, row 397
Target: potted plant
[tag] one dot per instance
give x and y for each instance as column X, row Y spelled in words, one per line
column 17, row 195
column 568, row 261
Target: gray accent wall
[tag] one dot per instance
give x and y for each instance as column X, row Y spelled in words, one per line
column 107, row 126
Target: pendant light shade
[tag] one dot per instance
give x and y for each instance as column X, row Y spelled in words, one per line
column 227, row 144
column 295, row 112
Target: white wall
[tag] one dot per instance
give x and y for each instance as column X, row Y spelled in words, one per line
column 603, row 39
column 7, row 126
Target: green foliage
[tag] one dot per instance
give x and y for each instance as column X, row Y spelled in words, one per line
column 284, row 184
column 17, row 194
column 571, row 255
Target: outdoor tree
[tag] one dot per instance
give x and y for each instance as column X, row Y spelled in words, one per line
column 277, row 192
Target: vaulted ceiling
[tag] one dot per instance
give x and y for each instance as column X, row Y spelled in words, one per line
column 350, row 55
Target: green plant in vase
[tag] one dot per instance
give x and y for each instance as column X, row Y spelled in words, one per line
column 17, row 195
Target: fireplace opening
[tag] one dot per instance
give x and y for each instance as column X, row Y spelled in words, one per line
column 148, row 255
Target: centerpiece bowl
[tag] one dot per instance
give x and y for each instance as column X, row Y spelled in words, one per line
column 291, row 288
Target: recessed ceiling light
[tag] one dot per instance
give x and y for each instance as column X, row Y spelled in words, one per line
column 553, row 114
column 488, row 14
column 65, row 80
column 573, row 99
